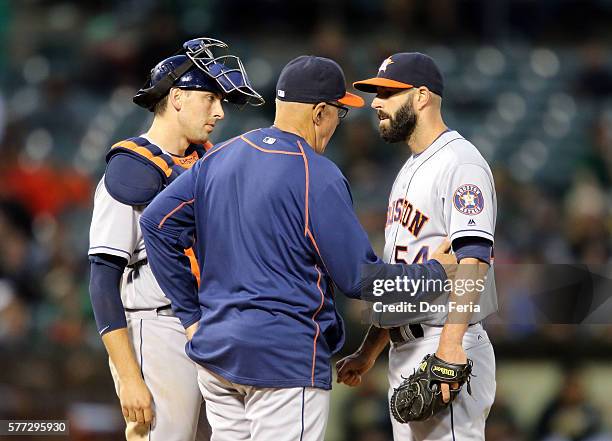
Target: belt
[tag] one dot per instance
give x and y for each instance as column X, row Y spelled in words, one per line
column 138, row 264
column 399, row 334
column 165, row 310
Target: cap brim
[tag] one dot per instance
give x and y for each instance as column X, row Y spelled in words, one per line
column 371, row 84
column 352, row 100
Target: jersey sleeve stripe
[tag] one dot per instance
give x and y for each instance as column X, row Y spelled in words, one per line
column 108, row 248
column 314, row 243
column 181, row 205
column 471, row 231
column 307, row 186
column 318, row 329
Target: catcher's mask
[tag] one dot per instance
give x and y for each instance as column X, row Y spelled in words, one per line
column 195, row 67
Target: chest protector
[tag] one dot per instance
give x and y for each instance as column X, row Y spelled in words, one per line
column 136, row 170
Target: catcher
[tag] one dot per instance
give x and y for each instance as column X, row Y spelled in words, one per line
column 155, row 380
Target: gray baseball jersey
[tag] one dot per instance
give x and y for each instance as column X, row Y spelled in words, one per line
column 115, row 230
column 446, row 191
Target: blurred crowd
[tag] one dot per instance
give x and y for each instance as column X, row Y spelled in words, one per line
column 530, row 94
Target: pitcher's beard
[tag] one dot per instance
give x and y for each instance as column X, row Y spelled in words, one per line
column 401, row 126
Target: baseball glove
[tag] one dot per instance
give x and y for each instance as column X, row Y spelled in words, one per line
column 419, row 397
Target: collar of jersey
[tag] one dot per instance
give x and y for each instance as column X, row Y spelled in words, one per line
column 163, row 151
column 438, row 143
column 287, row 135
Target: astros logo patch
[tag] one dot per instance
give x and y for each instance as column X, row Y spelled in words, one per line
column 468, row 199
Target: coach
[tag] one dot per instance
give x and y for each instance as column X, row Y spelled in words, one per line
column 275, row 231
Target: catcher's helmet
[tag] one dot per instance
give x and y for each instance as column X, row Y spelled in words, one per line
column 196, row 68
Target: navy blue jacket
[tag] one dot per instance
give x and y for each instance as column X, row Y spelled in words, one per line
column 275, row 226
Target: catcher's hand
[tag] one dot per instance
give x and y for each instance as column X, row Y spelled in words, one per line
column 419, row 397
column 136, row 401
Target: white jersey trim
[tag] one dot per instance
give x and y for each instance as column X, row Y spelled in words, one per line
column 108, row 250
column 472, row 233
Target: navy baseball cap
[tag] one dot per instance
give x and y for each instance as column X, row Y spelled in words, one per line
column 310, row 79
column 404, row 71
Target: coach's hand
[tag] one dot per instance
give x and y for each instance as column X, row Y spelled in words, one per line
column 136, row 400
column 350, row 369
column 445, row 258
